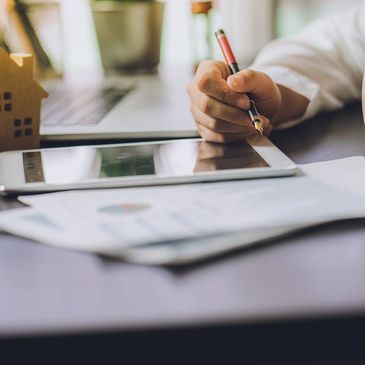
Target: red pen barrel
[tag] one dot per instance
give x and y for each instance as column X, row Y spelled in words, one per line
column 227, row 51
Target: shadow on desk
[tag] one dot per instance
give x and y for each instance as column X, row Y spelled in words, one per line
column 327, row 137
column 309, row 233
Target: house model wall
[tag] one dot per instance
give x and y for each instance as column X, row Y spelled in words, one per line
column 20, row 103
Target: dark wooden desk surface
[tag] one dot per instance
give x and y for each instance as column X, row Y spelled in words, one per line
column 297, row 299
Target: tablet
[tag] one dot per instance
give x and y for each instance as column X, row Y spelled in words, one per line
column 140, row 164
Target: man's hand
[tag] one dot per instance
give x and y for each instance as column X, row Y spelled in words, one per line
column 219, row 101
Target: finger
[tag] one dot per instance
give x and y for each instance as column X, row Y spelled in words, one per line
column 250, row 81
column 211, row 79
column 210, row 82
column 259, row 85
column 217, row 109
column 219, row 67
column 218, row 125
column 266, row 125
column 212, row 136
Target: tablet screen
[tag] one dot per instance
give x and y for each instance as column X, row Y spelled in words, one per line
column 167, row 159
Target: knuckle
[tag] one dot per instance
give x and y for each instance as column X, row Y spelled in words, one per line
column 207, row 105
column 204, row 82
column 224, row 96
column 226, row 139
column 223, row 66
column 213, row 124
column 219, row 138
column 206, row 65
column 213, row 65
column 201, row 132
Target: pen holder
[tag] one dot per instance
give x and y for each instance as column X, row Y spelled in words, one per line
column 35, row 27
column 129, row 34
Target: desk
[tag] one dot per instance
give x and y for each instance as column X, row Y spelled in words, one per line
column 299, row 299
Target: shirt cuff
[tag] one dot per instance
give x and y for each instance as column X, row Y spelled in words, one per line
column 300, row 84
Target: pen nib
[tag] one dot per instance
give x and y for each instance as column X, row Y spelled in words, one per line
column 259, row 128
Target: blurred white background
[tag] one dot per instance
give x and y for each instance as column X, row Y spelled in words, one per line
column 80, row 45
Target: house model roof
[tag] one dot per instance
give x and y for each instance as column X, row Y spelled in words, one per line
column 23, row 63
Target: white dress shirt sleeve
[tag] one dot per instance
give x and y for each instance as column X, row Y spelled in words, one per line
column 324, row 62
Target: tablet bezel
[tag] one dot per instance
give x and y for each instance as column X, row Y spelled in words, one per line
column 13, row 179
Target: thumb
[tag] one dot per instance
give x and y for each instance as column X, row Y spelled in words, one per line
column 259, row 86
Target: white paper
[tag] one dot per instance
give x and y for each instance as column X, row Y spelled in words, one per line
column 118, row 219
column 346, row 175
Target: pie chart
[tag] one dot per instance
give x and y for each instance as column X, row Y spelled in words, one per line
column 124, row 208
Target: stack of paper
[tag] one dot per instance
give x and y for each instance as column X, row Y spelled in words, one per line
column 178, row 224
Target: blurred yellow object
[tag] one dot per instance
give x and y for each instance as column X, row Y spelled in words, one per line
column 201, row 7
column 202, row 31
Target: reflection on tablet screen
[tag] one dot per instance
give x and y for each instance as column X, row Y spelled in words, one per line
column 183, row 158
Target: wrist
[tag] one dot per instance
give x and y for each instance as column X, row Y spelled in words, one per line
column 291, row 106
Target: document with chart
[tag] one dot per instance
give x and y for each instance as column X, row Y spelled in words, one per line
column 118, row 220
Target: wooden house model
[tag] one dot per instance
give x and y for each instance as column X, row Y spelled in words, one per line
column 20, row 102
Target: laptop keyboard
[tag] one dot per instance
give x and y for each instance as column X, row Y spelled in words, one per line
column 71, row 106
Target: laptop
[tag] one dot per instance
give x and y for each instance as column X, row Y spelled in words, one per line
column 141, row 107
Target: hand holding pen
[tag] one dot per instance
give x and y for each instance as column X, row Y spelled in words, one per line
column 233, row 65
column 219, row 101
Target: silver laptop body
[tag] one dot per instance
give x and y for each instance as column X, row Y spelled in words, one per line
column 140, row 107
